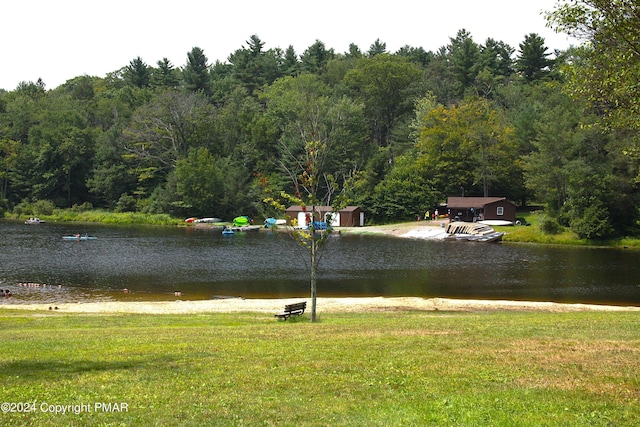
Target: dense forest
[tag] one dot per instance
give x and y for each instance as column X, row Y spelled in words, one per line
column 403, row 131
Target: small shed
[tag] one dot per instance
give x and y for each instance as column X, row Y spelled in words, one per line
column 472, row 209
column 350, row 216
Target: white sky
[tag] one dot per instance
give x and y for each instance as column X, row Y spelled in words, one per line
column 57, row 40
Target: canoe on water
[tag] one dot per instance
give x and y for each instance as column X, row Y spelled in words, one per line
column 79, row 237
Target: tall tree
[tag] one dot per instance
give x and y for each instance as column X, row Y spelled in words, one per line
column 138, row 73
column 464, row 60
column 315, row 58
column 533, row 61
column 165, row 75
column 495, row 67
column 291, row 64
column 255, row 67
column 377, row 48
column 196, row 72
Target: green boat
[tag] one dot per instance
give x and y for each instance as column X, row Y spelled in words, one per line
column 241, row 221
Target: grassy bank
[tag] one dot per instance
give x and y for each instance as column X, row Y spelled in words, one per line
column 533, row 234
column 105, row 217
column 392, row 369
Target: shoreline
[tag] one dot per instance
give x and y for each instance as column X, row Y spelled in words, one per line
column 324, row 305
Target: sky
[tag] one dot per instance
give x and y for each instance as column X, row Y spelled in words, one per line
column 57, row 40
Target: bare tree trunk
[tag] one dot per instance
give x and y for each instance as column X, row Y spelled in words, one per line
column 314, row 269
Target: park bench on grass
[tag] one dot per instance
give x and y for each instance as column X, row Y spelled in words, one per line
column 292, row 310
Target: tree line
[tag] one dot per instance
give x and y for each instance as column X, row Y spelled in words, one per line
column 403, row 130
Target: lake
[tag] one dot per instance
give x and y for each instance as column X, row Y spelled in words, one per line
column 154, row 262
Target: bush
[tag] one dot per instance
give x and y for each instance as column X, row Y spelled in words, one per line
column 85, row 207
column 550, row 226
column 40, row 207
column 126, row 203
column 593, row 224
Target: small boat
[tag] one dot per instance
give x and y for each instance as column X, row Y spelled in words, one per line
column 79, row 237
column 227, row 232
column 246, row 228
column 271, row 222
column 241, row 221
column 495, row 222
column 190, row 220
column 34, row 220
column 472, row 232
column 206, row 220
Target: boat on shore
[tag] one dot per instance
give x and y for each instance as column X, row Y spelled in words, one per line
column 207, row 220
column 246, row 228
column 472, row 232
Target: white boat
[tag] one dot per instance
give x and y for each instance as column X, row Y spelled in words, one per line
column 497, row 222
column 79, row 237
column 34, row 220
column 206, row 220
column 472, row 232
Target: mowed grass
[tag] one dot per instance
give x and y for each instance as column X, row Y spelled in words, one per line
column 402, row 368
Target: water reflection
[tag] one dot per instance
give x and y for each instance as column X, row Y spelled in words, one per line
column 153, row 262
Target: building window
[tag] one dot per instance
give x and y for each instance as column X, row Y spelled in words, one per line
column 500, row 210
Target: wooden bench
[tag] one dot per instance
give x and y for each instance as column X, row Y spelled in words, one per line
column 292, row 310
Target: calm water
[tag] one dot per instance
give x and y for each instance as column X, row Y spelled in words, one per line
column 153, row 262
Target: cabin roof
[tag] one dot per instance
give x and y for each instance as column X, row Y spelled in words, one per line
column 473, row 202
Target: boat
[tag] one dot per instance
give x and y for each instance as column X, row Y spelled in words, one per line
column 246, row 228
column 271, row 222
column 34, row 220
column 79, row 237
column 241, row 221
column 494, row 222
column 472, row 232
column 190, row 220
column 227, row 232
column 206, row 220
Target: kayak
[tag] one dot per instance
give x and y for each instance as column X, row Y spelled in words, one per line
column 79, row 237
column 206, row 220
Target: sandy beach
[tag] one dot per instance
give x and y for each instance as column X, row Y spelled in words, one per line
column 324, row 305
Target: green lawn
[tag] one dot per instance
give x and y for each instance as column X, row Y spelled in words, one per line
column 373, row 369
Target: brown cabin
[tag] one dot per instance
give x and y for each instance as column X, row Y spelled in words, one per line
column 472, row 209
column 351, row 216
